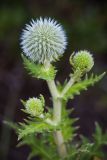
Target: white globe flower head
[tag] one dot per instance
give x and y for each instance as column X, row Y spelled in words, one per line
column 43, row 40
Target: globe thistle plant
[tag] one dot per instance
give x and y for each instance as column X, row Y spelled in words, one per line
column 43, row 40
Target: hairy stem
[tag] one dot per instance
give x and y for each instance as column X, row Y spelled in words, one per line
column 74, row 78
column 57, row 108
column 53, row 89
column 68, row 85
column 60, row 144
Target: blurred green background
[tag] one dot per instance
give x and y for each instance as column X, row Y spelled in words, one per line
column 85, row 23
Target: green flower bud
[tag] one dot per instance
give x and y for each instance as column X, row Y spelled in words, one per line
column 35, row 106
column 82, row 61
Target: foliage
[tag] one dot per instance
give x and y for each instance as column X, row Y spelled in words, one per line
column 38, row 126
column 33, row 126
column 39, row 70
column 82, row 85
column 40, row 145
column 68, row 125
column 37, row 130
column 86, row 149
column 80, row 150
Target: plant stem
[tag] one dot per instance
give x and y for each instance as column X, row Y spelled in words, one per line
column 57, row 108
column 60, row 144
column 68, row 85
column 75, row 77
column 53, row 89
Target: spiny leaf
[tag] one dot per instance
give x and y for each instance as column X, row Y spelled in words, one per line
column 40, row 146
column 82, row 85
column 11, row 125
column 67, row 125
column 98, row 133
column 34, row 127
column 93, row 149
column 39, row 70
column 100, row 138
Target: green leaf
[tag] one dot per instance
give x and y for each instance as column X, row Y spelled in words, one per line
column 39, row 70
column 100, row 138
column 68, row 126
column 94, row 148
column 40, row 146
column 11, row 125
column 82, row 85
column 33, row 126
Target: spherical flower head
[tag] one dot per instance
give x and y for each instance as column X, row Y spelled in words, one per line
column 35, row 106
column 82, row 60
column 43, row 40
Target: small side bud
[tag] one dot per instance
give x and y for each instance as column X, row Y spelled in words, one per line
column 35, row 106
column 82, row 61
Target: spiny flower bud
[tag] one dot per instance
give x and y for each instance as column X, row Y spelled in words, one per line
column 43, row 40
column 82, row 60
column 35, row 106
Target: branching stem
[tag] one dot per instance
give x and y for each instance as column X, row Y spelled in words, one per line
column 68, row 85
column 57, row 108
